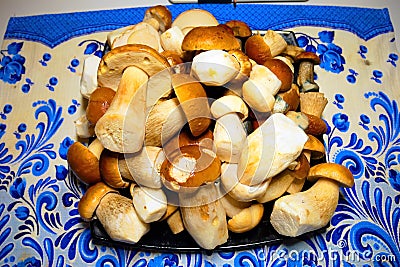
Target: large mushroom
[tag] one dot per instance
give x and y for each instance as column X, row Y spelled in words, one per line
column 306, row 211
column 114, row 211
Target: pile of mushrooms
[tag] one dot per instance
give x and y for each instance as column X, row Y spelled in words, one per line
column 202, row 123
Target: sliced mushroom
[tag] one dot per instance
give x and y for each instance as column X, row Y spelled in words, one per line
column 88, row 81
column 282, row 71
column 84, row 161
column 171, row 40
column 306, row 211
column 114, row 211
column 195, row 17
column 204, row 217
column 150, row 203
column 270, row 149
column 260, row 47
column 175, row 222
column 145, row 34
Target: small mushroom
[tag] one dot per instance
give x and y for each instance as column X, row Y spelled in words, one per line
column 99, row 102
column 240, row 28
column 84, row 161
column 114, row 211
column 287, row 101
column 260, row 47
column 306, row 211
column 193, row 18
column 277, row 187
column 204, row 217
column 246, row 219
column 161, row 14
column 309, row 123
column 150, row 203
column 110, row 171
column 282, row 71
column 313, row 148
column 230, row 204
column 313, row 103
column 171, row 40
column 305, row 77
column 175, row 222
column 270, row 149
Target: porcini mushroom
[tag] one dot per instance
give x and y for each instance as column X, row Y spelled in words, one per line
column 229, row 104
column 99, row 102
column 110, row 171
column 193, row 18
column 88, row 81
column 246, row 219
column 305, row 77
column 84, row 161
column 306, row 211
column 150, row 203
column 114, row 211
column 260, row 47
column 161, row 14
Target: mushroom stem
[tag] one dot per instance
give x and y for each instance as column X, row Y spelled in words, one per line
column 305, row 77
column 306, row 211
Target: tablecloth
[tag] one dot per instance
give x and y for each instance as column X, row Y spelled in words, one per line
column 41, row 62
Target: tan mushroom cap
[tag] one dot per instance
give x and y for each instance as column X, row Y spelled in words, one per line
column 91, row 199
column 194, row 102
column 282, row 71
column 194, row 17
column 315, row 147
column 109, row 169
column 308, row 56
column 240, row 28
column 162, row 14
column 257, row 49
column 98, row 104
column 333, row 171
column 83, row 163
column 210, row 38
column 113, row 64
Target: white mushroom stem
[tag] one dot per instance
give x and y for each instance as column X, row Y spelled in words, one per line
column 150, row 204
column 231, row 205
column 84, row 129
column 270, row 149
column 277, row 187
column 88, row 81
column 204, row 217
column 175, row 222
column 96, row 147
column 306, row 211
column 229, row 137
column 122, row 127
column 171, row 40
column 119, row 218
column 144, row 166
column 229, row 104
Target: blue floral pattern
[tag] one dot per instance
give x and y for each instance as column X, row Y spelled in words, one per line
column 38, row 207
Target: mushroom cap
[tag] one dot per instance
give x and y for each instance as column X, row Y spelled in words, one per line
column 91, row 199
column 282, row 71
column 315, row 147
column 194, row 18
column 308, row 56
column 98, row 104
column 240, row 28
column 316, row 125
column 113, row 64
column 109, row 169
column 194, row 102
column 257, row 49
column 83, row 163
column 210, row 38
column 161, row 14
column 189, row 167
column 333, row 171
column 172, row 57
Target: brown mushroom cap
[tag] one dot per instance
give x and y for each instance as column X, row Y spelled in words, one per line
column 210, row 38
column 98, row 104
column 83, row 163
column 205, row 168
column 282, row 71
column 308, row 56
column 113, row 64
column 257, row 49
column 315, row 147
column 333, row 171
column 193, row 100
column 240, row 28
column 109, row 169
column 316, row 125
column 91, row 199
column 162, row 14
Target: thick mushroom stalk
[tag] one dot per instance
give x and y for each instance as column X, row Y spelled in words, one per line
column 204, row 217
column 312, row 209
column 122, row 128
column 305, row 78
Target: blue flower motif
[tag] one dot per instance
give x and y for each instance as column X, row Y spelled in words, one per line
column 363, row 50
column 17, row 188
column 64, row 145
column 331, row 58
column 394, row 179
column 339, row 100
column 22, row 212
column 393, row 59
column 341, row 122
column 61, row 172
column 165, row 260
column 326, row 36
column 2, row 129
column 364, row 120
column 12, row 64
column 29, row 262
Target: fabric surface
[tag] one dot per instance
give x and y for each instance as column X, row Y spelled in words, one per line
column 41, row 62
